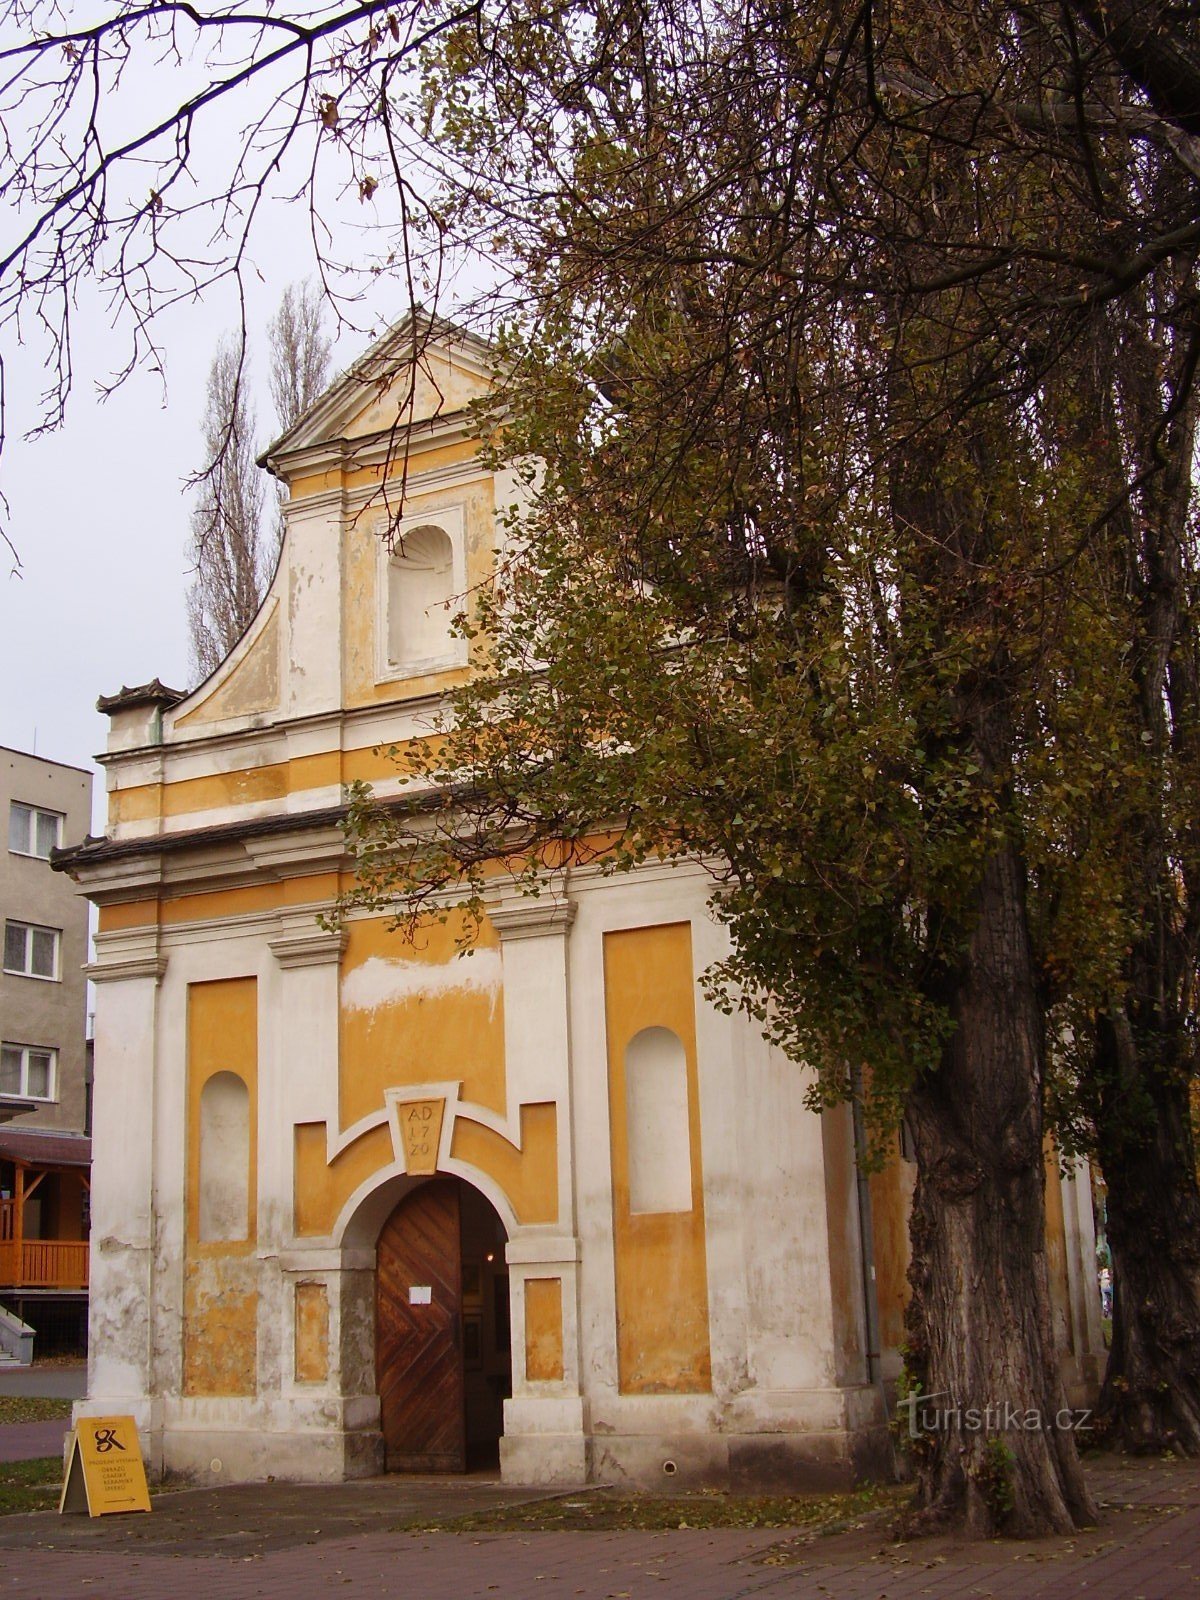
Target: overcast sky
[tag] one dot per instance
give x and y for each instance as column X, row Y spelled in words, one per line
column 99, row 513
column 99, row 510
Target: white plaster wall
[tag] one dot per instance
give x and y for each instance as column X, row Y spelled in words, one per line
column 783, row 1222
column 123, row 1219
column 311, row 636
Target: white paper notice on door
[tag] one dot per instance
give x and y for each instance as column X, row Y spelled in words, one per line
column 420, row 1294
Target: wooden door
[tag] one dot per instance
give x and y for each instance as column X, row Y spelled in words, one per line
column 418, row 1332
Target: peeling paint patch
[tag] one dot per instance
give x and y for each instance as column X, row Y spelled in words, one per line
column 312, row 1333
column 220, row 1328
column 381, row 981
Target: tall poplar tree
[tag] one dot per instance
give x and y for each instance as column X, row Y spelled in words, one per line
column 233, row 548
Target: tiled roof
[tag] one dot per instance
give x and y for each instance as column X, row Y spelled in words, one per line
column 153, row 693
column 47, row 1149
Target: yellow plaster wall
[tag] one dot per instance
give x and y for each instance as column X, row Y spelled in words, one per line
column 453, row 1032
column 661, row 1270
column 543, row 1330
column 351, row 477
column 177, row 909
column 312, row 1333
column 528, row 1176
column 359, row 599
column 220, row 790
column 122, row 914
column 321, row 1189
column 1056, row 1255
column 439, row 385
column 891, row 1204
column 220, row 1340
column 248, row 785
column 220, row 1327
column 253, row 685
column 222, row 1036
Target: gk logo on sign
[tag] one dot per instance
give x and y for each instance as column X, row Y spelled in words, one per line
column 104, row 1468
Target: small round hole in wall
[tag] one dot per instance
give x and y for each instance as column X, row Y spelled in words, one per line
column 670, row 1469
column 215, row 1464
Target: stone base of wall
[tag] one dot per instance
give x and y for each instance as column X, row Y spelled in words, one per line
column 792, row 1463
column 787, row 1441
column 212, row 1457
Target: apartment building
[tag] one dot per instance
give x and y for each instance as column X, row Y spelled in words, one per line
column 45, row 1151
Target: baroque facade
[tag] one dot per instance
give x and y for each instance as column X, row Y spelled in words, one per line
column 361, row 1202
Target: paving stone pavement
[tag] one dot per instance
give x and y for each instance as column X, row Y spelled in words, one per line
column 281, row 1542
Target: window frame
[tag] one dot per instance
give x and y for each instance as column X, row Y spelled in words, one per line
column 27, row 971
column 35, row 814
column 24, row 1092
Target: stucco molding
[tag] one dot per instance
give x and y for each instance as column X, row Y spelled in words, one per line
column 523, row 916
column 307, row 947
column 301, row 1263
column 534, row 1249
column 118, row 969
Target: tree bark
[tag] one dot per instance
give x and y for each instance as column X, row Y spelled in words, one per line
column 1144, row 1051
column 1150, row 1401
column 1002, row 1456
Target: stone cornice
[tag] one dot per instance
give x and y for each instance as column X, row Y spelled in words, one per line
column 522, row 916
column 119, row 969
column 311, row 947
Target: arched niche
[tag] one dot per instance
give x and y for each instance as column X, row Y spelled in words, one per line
column 656, row 1092
column 224, row 1188
column 420, row 591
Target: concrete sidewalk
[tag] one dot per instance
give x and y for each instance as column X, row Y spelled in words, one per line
column 286, row 1542
column 65, row 1380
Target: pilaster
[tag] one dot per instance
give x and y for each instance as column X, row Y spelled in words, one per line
column 545, row 1425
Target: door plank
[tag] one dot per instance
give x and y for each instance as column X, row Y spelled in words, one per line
column 418, row 1347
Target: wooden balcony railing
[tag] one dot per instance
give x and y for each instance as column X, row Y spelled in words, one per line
column 44, row 1264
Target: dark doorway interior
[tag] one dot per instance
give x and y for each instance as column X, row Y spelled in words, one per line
column 442, row 1343
column 487, row 1345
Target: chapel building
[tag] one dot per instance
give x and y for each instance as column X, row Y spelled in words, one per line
column 360, row 1203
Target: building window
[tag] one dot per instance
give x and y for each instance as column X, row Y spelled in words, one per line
column 27, row 1072
column 30, row 951
column 33, row 832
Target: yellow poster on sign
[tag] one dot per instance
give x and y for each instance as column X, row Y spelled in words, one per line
column 104, row 1468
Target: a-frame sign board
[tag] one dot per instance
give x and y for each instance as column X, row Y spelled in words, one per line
column 104, row 1468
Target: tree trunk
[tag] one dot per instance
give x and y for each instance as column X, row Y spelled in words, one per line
column 993, row 1444
column 1151, row 1396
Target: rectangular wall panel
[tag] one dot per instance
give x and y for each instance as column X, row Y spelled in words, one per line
column 661, row 1270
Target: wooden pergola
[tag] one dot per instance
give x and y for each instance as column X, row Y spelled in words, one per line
column 39, row 1263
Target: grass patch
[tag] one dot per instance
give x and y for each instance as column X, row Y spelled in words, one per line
column 607, row 1511
column 33, row 1408
column 30, row 1485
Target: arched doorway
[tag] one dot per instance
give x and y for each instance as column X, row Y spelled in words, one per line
column 443, row 1352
